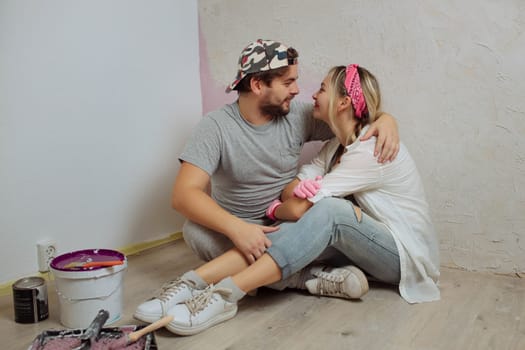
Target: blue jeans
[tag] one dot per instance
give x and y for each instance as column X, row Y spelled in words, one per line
column 333, row 222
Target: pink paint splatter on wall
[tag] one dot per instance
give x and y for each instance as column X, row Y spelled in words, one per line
column 213, row 94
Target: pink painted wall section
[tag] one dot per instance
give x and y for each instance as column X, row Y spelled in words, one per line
column 213, row 94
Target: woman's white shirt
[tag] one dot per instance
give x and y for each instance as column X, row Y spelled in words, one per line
column 393, row 194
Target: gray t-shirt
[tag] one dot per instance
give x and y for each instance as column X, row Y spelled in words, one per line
column 249, row 165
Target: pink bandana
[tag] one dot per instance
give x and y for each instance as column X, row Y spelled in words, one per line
column 353, row 89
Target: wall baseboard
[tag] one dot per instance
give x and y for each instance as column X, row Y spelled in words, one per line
column 6, row 288
column 140, row 247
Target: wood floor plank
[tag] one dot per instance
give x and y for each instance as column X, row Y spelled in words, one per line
column 477, row 311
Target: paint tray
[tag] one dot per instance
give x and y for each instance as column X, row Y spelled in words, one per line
column 70, row 338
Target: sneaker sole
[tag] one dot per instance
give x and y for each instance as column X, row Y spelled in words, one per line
column 149, row 318
column 185, row 330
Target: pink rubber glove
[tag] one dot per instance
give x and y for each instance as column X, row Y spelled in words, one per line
column 307, row 188
column 270, row 212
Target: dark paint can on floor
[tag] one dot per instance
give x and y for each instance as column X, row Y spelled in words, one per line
column 30, row 300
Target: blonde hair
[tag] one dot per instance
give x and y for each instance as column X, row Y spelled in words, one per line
column 371, row 92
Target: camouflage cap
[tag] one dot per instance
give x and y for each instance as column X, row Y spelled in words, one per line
column 259, row 56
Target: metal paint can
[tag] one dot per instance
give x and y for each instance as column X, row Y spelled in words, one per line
column 30, row 300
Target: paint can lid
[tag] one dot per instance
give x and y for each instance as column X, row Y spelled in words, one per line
column 29, row 283
column 72, row 261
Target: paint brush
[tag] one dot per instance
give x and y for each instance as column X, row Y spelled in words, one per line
column 132, row 337
column 83, row 264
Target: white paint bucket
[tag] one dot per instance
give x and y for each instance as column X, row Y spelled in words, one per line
column 82, row 292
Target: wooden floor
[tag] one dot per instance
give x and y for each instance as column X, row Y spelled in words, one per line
column 477, row 311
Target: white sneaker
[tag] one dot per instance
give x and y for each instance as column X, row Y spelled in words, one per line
column 344, row 282
column 171, row 293
column 202, row 311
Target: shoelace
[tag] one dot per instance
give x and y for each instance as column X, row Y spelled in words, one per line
column 331, row 283
column 200, row 301
column 170, row 288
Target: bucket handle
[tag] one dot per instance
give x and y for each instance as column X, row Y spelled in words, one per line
column 103, row 297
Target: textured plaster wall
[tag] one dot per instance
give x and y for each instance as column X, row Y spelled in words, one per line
column 451, row 72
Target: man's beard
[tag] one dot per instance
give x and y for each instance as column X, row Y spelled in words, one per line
column 275, row 111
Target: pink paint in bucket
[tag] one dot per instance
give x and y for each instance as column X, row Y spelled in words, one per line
column 82, row 292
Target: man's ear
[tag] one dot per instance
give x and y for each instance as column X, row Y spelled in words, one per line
column 256, row 85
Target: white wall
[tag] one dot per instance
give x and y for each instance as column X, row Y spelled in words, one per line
column 452, row 73
column 96, row 100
